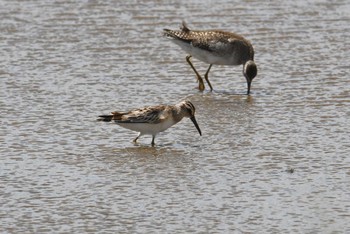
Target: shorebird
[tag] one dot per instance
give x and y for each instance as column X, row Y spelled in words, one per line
column 215, row 47
column 153, row 119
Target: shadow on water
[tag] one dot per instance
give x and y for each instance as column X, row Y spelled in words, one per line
column 223, row 95
column 144, row 159
column 144, row 150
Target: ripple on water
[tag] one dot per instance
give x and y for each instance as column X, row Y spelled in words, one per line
column 275, row 161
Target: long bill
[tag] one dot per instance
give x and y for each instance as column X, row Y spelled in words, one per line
column 196, row 124
column 249, row 83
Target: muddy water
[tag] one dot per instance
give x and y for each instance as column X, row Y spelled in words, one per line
column 274, row 162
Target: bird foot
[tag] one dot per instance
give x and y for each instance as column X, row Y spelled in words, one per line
column 201, row 87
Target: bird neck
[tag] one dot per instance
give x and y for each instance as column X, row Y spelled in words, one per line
column 178, row 113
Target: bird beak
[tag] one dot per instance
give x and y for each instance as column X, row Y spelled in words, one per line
column 249, row 84
column 196, row 124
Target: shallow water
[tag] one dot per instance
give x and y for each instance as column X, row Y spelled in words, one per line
column 274, row 162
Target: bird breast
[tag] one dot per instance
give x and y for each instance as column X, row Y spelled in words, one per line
column 149, row 128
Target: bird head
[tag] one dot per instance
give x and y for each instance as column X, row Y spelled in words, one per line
column 190, row 110
column 249, row 71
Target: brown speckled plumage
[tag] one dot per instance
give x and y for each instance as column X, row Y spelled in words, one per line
column 215, row 47
column 209, row 40
column 152, row 119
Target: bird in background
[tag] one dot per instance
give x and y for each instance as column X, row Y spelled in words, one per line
column 215, row 47
column 153, row 119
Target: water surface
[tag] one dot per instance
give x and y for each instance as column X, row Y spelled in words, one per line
column 274, row 162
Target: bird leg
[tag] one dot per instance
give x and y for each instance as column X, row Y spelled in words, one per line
column 207, row 79
column 153, row 137
column 201, row 86
column 135, row 140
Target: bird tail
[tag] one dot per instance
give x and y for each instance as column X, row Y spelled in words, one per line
column 113, row 116
column 169, row 33
column 105, row 118
column 176, row 33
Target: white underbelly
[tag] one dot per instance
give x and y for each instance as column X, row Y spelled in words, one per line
column 148, row 128
column 219, row 58
column 212, row 58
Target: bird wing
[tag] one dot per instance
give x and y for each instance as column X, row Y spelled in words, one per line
column 152, row 115
column 211, row 40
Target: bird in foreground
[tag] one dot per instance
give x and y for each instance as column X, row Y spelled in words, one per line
column 153, row 119
column 215, row 47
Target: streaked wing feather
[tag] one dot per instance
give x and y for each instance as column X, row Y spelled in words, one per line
column 143, row 115
column 210, row 41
